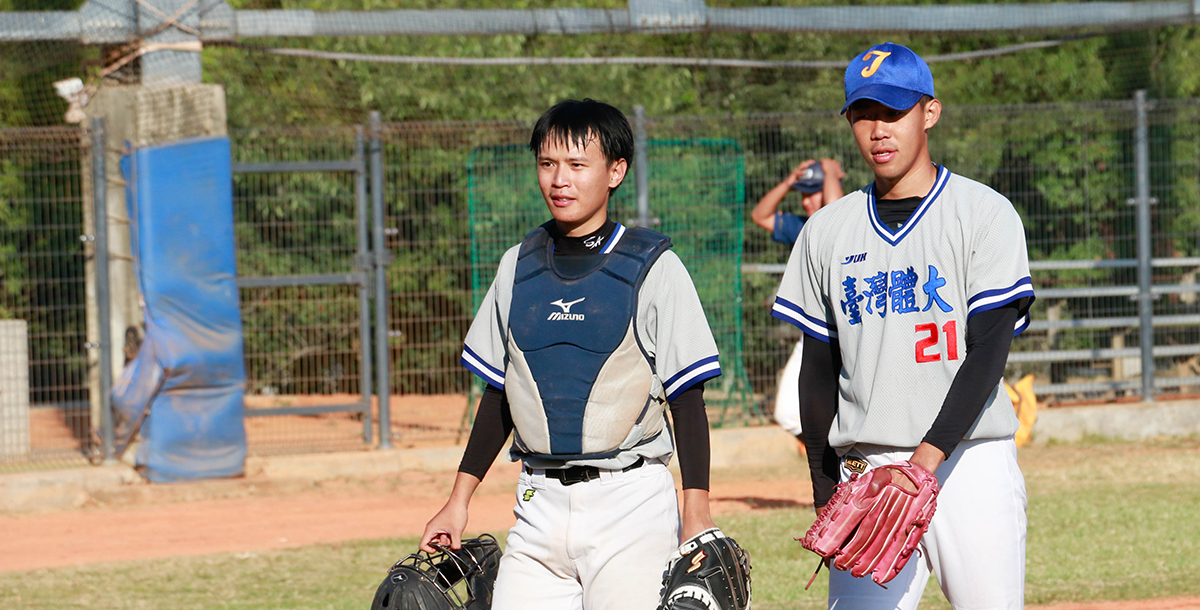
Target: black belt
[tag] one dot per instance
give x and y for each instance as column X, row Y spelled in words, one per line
column 582, row 474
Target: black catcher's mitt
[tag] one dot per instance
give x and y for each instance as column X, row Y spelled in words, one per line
column 445, row 580
column 712, row 573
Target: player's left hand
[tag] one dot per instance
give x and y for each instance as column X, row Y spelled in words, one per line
column 926, row 456
column 445, row 528
column 696, row 516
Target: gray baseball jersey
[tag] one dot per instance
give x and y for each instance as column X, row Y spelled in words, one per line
column 898, row 300
column 671, row 327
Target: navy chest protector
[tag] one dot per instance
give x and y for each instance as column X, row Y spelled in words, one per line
column 578, row 381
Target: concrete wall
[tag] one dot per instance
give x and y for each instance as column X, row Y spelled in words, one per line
column 14, row 388
column 1129, row 421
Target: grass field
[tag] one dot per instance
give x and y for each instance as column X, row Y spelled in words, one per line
column 1107, row 521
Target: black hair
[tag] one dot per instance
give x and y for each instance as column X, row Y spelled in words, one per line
column 573, row 122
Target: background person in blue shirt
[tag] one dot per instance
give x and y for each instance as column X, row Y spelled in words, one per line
column 785, row 228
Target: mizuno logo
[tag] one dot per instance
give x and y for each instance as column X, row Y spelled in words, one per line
column 855, row 258
column 566, row 307
column 566, row 314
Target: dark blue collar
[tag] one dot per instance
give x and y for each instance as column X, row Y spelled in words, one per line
column 891, row 236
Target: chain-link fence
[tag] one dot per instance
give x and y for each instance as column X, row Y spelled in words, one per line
column 44, row 357
column 1070, row 170
column 300, row 221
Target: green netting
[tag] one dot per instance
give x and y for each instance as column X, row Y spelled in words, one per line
column 697, row 197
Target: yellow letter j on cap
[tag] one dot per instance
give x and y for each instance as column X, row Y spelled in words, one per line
column 879, row 57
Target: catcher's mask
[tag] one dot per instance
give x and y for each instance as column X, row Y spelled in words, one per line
column 445, row 580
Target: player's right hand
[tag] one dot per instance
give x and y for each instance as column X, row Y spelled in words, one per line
column 445, row 528
column 797, row 173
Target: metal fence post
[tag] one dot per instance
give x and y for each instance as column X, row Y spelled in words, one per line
column 103, row 298
column 363, row 262
column 1144, row 247
column 383, row 386
column 641, row 166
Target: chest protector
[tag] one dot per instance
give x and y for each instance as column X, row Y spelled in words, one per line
column 579, row 383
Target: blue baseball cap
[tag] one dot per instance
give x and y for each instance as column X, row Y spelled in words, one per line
column 890, row 74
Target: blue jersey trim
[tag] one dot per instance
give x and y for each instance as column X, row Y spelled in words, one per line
column 1021, row 325
column 485, row 371
column 894, row 237
column 806, row 330
column 790, row 312
column 790, row 305
column 991, row 293
column 618, row 233
column 999, row 297
column 698, row 371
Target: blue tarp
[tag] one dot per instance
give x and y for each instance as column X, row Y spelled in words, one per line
column 189, row 372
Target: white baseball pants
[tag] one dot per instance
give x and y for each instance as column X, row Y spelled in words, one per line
column 975, row 545
column 598, row 545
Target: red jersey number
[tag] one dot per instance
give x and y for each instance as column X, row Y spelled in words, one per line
column 931, row 340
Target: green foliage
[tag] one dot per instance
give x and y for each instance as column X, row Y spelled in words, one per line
column 41, row 256
column 12, row 270
column 27, row 70
column 295, row 90
column 1067, row 167
column 298, row 340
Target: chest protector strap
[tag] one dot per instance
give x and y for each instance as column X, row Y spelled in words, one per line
column 578, row 381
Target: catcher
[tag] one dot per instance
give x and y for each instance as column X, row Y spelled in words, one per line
column 590, row 333
column 910, row 291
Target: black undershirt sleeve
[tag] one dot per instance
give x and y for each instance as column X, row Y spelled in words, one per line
column 820, row 364
column 989, row 336
column 691, row 437
column 493, row 424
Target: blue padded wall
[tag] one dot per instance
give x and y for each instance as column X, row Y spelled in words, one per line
column 189, row 371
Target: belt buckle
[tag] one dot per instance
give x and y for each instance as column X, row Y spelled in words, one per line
column 582, row 475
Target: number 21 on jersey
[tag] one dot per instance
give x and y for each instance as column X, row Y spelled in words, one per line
column 929, row 341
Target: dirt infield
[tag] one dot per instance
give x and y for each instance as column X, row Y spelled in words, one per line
column 257, row 514
column 244, row 515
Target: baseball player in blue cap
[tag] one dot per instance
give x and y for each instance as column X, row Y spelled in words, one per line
column 910, row 291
